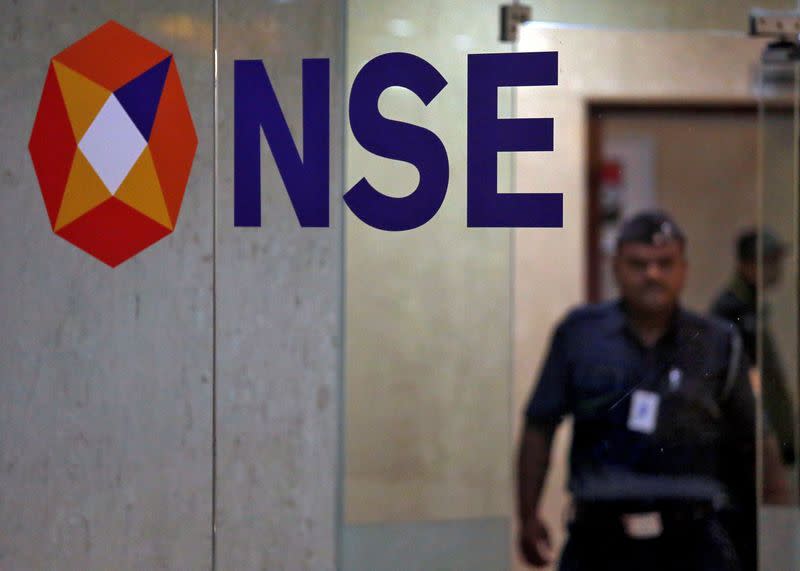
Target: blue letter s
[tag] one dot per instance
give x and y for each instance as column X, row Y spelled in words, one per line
column 397, row 140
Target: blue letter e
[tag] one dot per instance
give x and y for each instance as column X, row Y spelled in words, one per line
column 487, row 135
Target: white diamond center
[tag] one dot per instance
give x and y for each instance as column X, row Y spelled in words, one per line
column 112, row 144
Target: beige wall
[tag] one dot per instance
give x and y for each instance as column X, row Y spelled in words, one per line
column 428, row 337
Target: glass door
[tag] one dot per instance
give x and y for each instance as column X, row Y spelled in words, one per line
column 447, row 326
column 777, row 293
column 427, row 470
column 684, row 123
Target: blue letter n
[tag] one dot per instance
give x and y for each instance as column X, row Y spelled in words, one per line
column 256, row 107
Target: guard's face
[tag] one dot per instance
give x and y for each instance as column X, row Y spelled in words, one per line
column 650, row 278
column 773, row 271
column 773, row 266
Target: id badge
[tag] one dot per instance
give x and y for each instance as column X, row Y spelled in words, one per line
column 643, row 416
column 643, row 526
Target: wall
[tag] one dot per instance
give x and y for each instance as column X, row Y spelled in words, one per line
column 107, row 376
column 427, row 338
column 279, row 303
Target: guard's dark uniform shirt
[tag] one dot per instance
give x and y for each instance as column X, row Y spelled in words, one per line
column 704, row 429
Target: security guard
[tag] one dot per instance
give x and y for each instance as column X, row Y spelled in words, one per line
column 737, row 304
column 663, row 415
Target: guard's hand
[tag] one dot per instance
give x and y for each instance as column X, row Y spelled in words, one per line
column 534, row 542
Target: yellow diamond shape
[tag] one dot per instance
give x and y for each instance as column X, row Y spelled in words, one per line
column 82, row 97
column 141, row 190
column 84, row 191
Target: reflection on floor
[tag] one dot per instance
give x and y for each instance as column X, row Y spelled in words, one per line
column 463, row 545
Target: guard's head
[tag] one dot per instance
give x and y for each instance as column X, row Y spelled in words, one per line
column 772, row 252
column 650, row 262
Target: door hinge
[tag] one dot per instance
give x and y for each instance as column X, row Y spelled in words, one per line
column 511, row 16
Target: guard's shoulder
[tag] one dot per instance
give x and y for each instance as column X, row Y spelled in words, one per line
column 589, row 314
column 727, row 304
column 709, row 324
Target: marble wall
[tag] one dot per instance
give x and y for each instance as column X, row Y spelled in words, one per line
column 106, row 376
column 278, row 322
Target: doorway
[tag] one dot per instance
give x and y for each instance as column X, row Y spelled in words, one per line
column 697, row 162
column 642, row 121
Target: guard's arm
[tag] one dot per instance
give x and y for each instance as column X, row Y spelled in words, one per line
column 532, row 466
column 533, row 463
column 547, row 406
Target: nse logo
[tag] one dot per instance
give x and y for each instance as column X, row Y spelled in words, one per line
column 113, row 143
column 307, row 179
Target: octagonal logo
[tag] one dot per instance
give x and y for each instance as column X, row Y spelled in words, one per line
column 113, row 143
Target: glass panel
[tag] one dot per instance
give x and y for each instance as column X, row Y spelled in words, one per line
column 671, row 125
column 278, row 304
column 777, row 272
column 427, row 343
column 427, row 378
